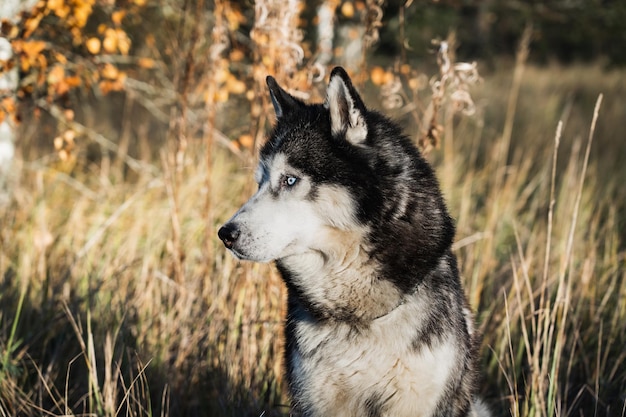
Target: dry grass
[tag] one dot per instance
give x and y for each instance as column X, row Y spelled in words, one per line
column 544, row 262
column 117, row 299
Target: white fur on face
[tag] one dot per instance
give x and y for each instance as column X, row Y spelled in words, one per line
column 281, row 221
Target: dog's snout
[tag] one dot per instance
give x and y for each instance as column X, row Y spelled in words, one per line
column 228, row 234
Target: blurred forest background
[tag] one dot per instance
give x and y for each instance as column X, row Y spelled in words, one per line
column 128, row 133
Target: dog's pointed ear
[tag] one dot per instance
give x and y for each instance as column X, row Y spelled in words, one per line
column 283, row 101
column 347, row 111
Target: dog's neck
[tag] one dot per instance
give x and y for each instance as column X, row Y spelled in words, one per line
column 341, row 283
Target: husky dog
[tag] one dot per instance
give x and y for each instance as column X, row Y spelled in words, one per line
column 377, row 322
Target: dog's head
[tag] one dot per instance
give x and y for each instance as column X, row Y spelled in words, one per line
column 335, row 174
column 306, row 175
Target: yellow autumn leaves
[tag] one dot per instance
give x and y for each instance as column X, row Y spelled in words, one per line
column 30, row 53
column 8, row 108
column 114, row 40
column 64, row 144
column 416, row 82
column 74, row 12
column 58, row 48
column 75, row 15
column 229, row 84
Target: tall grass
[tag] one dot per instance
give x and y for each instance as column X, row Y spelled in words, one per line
column 548, row 265
column 117, row 299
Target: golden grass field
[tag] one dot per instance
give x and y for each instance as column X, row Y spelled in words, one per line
column 117, row 299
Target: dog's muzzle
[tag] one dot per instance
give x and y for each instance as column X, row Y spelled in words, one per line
column 228, row 234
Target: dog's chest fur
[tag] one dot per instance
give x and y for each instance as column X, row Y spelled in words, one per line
column 339, row 370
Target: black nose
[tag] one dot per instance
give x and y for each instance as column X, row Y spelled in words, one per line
column 228, row 234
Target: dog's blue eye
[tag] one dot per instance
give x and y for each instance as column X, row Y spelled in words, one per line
column 290, row 181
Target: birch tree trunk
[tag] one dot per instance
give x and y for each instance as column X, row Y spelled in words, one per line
column 326, row 31
column 9, row 10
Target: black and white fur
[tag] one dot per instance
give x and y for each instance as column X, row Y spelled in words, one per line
column 377, row 322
